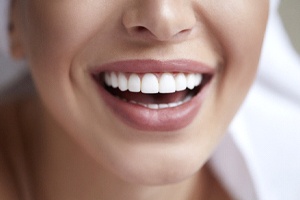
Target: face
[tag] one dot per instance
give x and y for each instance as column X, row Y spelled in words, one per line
column 149, row 87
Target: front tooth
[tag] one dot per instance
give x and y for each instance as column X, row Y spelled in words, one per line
column 149, row 84
column 114, row 80
column 180, row 82
column 134, row 83
column 190, row 81
column 167, row 83
column 122, row 81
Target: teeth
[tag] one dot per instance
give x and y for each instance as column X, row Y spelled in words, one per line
column 122, row 81
column 153, row 106
column 114, row 80
column 150, row 83
column 167, row 83
column 162, row 106
column 107, row 79
column 190, row 81
column 134, row 83
column 180, row 82
column 199, row 78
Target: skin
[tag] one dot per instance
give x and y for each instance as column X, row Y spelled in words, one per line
column 77, row 134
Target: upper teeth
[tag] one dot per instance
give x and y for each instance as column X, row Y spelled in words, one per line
column 150, row 83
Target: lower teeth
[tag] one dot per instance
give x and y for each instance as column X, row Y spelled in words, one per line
column 162, row 106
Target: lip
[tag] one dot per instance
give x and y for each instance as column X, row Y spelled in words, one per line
column 144, row 66
column 142, row 118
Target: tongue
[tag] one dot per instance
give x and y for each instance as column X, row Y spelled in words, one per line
column 150, row 98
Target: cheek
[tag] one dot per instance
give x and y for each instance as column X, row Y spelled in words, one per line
column 58, row 30
column 55, row 33
column 239, row 28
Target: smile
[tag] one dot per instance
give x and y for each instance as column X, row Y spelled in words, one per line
column 155, row 84
column 154, row 95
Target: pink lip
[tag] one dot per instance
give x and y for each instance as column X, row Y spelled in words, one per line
column 144, row 66
column 141, row 118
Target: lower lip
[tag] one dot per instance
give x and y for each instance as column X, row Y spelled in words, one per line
column 142, row 118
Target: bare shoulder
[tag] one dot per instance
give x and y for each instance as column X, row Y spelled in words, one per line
column 8, row 125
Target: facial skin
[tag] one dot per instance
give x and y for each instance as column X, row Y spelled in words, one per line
column 64, row 39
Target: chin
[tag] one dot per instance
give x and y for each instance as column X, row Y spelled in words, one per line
column 159, row 175
column 154, row 167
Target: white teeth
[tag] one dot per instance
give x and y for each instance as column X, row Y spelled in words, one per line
column 122, row 81
column 190, row 81
column 114, row 80
column 167, row 83
column 169, row 105
column 153, row 106
column 150, row 83
column 199, row 78
column 134, row 83
column 107, row 79
column 180, row 82
column 163, row 105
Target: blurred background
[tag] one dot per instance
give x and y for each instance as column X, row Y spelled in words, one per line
column 290, row 13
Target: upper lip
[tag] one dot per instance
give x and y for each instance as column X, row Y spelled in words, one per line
column 155, row 66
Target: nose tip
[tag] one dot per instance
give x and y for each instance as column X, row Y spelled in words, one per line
column 160, row 20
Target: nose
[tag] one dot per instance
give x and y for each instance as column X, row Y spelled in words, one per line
column 162, row 20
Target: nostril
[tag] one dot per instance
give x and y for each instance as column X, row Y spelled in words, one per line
column 144, row 32
column 141, row 29
column 183, row 32
column 141, row 32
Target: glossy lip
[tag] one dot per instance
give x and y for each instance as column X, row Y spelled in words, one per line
column 142, row 118
column 148, row 66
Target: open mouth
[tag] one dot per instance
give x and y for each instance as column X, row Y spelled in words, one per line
column 153, row 90
column 153, row 95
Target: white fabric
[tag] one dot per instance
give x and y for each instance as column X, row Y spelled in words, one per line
column 9, row 70
column 4, row 4
column 259, row 157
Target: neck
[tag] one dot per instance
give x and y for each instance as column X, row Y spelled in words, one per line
column 63, row 170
